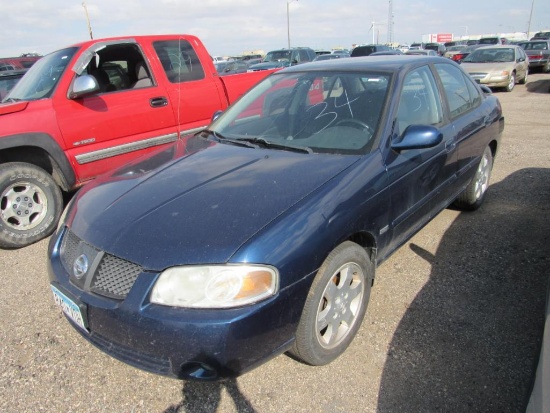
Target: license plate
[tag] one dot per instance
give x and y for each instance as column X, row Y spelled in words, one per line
column 70, row 308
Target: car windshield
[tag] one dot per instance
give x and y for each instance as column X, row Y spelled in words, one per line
column 277, row 56
column 329, row 112
column 490, row 56
column 42, row 78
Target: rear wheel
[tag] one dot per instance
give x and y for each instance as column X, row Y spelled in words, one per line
column 474, row 194
column 524, row 80
column 335, row 305
column 30, row 204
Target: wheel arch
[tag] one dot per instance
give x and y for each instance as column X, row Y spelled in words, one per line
column 367, row 241
column 41, row 150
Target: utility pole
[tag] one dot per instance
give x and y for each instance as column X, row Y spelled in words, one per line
column 390, row 23
column 88, row 20
column 530, row 17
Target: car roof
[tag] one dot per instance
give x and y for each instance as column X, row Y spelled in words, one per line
column 387, row 63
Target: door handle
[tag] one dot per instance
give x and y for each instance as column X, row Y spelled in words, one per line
column 158, row 102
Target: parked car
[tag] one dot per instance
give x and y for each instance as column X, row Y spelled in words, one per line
column 261, row 233
column 284, row 57
column 457, row 53
column 545, row 35
column 539, row 399
column 498, row 66
column 330, row 56
column 391, row 52
column 538, row 52
column 472, row 42
column 234, row 67
column 8, row 79
column 416, row 46
column 439, row 48
column 495, row 40
column 455, row 43
column 18, row 63
column 366, row 50
column 421, row 52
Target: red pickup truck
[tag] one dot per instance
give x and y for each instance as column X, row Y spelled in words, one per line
column 94, row 106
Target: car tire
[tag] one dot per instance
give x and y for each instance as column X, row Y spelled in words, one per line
column 472, row 197
column 335, row 305
column 511, row 83
column 546, row 67
column 524, row 80
column 30, row 204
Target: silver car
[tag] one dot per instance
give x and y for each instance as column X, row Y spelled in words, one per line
column 498, row 66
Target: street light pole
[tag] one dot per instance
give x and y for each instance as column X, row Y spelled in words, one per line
column 288, row 20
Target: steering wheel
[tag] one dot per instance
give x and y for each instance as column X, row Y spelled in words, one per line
column 355, row 123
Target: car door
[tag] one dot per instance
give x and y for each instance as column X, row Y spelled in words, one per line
column 522, row 61
column 107, row 129
column 195, row 94
column 419, row 177
column 470, row 125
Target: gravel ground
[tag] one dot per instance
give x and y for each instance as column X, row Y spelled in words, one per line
column 454, row 322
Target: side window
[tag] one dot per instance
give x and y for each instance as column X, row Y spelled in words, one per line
column 456, row 89
column 112, row 66
column 179, row 60
column 475, row 95
column 419, row 101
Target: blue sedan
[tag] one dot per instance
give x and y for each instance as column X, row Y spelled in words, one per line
column 262, row 233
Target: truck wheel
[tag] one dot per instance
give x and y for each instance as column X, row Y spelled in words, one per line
column 335, row 305
column 30, row 204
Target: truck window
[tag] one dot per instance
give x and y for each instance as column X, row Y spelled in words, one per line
column 116, row 67
column 179, row 60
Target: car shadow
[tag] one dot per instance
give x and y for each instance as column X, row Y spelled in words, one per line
column 205, row 397
column 470, row 339
column 538, row 86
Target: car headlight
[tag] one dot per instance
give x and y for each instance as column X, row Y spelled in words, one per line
column 215, row 286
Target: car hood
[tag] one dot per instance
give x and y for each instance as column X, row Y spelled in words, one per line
column 199, row 208
column 487, row 67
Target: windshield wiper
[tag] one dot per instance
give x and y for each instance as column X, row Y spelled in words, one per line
column 11, row 100
column 220, row 138
column 268, row 144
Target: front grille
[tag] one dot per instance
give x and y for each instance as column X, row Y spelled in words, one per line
column 107, row 275
column 115, row 277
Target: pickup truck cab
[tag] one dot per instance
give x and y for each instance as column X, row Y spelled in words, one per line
column 88, row 108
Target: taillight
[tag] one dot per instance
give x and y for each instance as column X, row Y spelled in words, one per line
column 457, row 57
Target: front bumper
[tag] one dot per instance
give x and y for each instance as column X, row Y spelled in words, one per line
column 183, row 343
column 490, row 80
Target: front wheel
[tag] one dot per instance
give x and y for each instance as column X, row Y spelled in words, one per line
column 474, row 194
column 335, row 306
column 511, row 83
column 30, row 204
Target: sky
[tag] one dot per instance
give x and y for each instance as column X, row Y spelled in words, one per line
column 233, row 27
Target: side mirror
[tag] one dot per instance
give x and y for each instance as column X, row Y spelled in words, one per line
column 83, row 86
column 418, row 137
column 216, row 115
